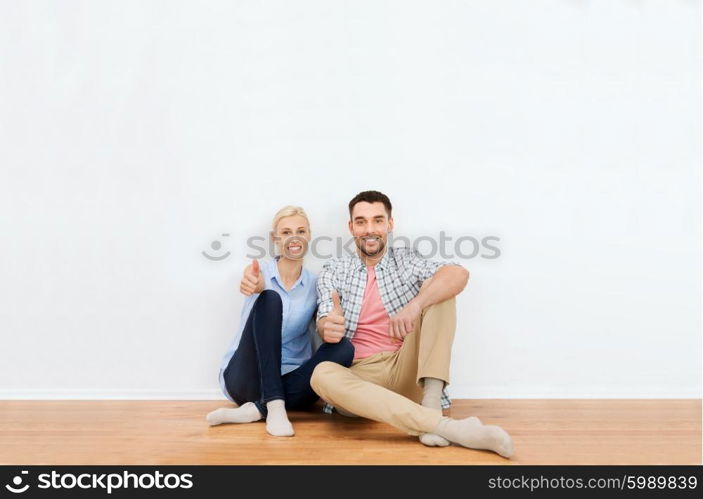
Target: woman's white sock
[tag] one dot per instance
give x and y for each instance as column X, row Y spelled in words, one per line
column 277, row 423
column 247, row 413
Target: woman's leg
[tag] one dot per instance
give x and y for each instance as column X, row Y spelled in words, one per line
column 253, row 375
column 296, row 384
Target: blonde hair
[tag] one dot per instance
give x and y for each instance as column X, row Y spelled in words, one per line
column 288, row 211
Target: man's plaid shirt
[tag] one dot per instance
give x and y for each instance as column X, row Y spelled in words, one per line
column 399, row 275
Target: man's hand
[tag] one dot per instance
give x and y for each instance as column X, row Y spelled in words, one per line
column 252, row 280
column 333, row 326
column 403, row 323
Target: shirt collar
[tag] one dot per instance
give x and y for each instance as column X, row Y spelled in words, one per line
column 383, row 263
column 302, row 280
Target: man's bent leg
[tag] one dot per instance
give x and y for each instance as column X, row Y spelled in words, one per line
column 376, row 369
column 422, row 367
column 427, row 351
column 341, row 387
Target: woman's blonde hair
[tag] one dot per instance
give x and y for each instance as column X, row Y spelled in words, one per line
column 288, row 211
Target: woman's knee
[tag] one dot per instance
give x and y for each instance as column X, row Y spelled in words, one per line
column 268, row 294
column 340, row 353
column 346, row 352
column 269, row 298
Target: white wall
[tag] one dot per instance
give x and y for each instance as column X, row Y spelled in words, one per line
column 132, row 134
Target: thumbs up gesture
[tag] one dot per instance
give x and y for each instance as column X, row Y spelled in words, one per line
column 252, row 280
column 333, row 328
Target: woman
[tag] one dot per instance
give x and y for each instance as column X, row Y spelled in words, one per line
column 268, row 365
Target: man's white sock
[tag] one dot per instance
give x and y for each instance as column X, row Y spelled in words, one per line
column 432, row 398
column 470, row 432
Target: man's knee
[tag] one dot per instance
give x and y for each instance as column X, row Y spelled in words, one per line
column 447, row 306
column 321, row 373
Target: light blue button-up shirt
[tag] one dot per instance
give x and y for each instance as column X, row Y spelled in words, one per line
column 298, row 325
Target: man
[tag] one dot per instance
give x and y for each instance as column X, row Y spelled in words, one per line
column 398, row 310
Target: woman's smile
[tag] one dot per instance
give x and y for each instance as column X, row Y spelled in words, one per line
column 295, row 248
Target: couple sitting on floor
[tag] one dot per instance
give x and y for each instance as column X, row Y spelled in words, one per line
column 386, row 318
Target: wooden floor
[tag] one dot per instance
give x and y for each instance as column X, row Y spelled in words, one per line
column 175, row 432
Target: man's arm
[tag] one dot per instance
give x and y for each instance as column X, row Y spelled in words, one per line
column 440, row 282
column 447, row 282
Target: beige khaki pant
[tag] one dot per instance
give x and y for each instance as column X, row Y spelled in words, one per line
column 386, row 386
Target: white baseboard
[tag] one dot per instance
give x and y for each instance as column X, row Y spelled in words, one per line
column 548, row 392
column 111, row 395
column 455, row 392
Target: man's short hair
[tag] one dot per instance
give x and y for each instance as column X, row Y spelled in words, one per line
column 371, row 197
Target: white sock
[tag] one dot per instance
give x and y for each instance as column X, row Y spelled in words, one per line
column 471, row 433
column 277, row 423
column 432, row 393
column 247, row 413
column 432, row 398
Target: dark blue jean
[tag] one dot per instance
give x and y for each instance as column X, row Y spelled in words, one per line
column 254, row 371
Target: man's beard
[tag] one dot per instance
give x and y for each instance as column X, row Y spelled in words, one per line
column 360, row 243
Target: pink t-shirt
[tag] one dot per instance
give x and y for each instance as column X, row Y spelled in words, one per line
column 371, row 334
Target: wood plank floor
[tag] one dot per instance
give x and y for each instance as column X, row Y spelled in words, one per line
column 175, row 432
